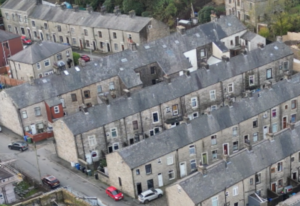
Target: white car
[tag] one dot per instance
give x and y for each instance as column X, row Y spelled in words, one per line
column 149, row 195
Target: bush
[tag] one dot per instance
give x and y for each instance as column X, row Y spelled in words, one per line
column 204, row 14
column 264, row 32
column 76, row 57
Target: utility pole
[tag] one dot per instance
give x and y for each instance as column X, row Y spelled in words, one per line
column 37, row 161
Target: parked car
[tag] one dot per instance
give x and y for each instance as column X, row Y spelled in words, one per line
column 26, row 41
column 21, row 146
column 51, row 181
column 114, row 193
column 149, row 195
column 86, row 58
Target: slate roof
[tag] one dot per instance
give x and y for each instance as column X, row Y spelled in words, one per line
column 21, row 5
column 86, row 19
column 241, row 166
column 38, row 52
column 180, row 86
column 221, row 46
column 248, row 35
column 166, row 52
column 182, row 135
column 53, row 101
column 4, row 36
column 4, row 174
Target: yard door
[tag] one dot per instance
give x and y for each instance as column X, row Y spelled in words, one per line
column 160, row 180
column 1, row 198
column 33, row 129
column 182, row 169
column 266, row 130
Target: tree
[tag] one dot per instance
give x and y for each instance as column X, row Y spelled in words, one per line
column 204, row 14
column 264, row 32
column 129, row 5
column 76, row 57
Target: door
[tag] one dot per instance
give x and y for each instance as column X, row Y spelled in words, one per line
column 273, row 188
column 42, row 36
column 225, row 149
column 266, row 130
column 54, row 39
column 29, row 33
column 284, row 122
column 33, row 129
column 182, row 169
column 122, row 47
column 139, row 188
column 160, row 180
column 2, row 198
column 108, row 47
column 237, row 42
column 204, row 158
column 16, row 29
column 68, row 40
column 23, row 31
column 80, row 44
column 150, row 183
column 94, row 43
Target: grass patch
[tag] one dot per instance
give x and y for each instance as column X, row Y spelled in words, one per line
column 31, row 192
column 23, row 185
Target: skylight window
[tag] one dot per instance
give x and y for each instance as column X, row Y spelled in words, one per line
column 77, row 69
column 124, row 60
column 229, row 24
column 164, row 46
column 176, row 41
column 44, row 80
column 147, row 47
column 197, row 35
column 275, row 47
column 66, row 72
column 121, row 69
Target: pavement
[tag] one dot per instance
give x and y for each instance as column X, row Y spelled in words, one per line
column 50, row 163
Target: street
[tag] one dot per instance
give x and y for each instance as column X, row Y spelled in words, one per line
column 27, row 161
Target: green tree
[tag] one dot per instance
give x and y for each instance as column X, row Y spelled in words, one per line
column 204, row 14
column 129, row 5
column 76, row 57
column 109, row 5
column 264, row 32
column 171, row 10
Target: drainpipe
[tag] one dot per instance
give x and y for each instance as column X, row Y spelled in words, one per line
column 82, row 146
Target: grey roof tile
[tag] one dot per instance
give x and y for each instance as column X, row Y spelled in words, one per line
column 23, row 5
column 248, row 35
column 242, row 165
column 4, row 174
column 4, row 36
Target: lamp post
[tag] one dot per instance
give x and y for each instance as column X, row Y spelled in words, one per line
column 37, row 161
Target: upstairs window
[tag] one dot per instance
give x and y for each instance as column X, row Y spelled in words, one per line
column 212, row 95
column 214, row 139
column 86, row 94
column 192, row 150
column 111, row 86
column 56, row 109
column 45, row 26
column 100, row 34
column 59, row 56
column 269, row 74
column 85, row 31
column 155, row 117
column 73, row 97
column 33, row 23
column 37, row 111
column 135, row 125
column 194, row 102
column 24, row 114
column 148, row 169
column 114, row 35
column 92, row 141
column 294, row 104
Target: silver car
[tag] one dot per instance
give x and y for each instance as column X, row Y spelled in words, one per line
column 149, row 195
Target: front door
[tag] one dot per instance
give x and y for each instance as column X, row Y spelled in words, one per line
column 204, row 158
column 108, row 47
column 23, row 31
column 139, row 188
column 33, row 129
column 68, row 40
column 237, row 42
column 273, row 187
column 225, row 149
column 284, row 122
column 160, row 180
column 266, row 130
column 29, row 33
column 42, row 36
column 182, row 169
column 94, row 43
column 150, row 183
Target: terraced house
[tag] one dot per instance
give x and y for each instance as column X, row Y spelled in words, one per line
column 133, row 69
column 177, row 152
column 82, row 29
column 264, row 174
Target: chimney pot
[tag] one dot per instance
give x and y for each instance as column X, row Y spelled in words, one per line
column 225, row 58
column 117, row 10
column 131, row 44
column 132, row 14
column 167, row 79
column 291, row 126
column 180, row 29
column 75, row 7
column 270, row 136
column 103, row 10
column 207, row 111
column 279, row 38
column 202, row 169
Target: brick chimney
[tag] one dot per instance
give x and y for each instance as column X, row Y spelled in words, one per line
column 39, row 2
column 180, row 29
column 225, row 58
column 128, row 94
column 103, row 10
column 89, row 8
column 131, row 13
column 117, row 10
column 75, row 7
column 201, row 168
column 167, row 79
column 213, row 16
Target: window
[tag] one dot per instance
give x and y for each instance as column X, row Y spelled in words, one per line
column 202, row 53
column 171, row 175
column 33, row 23
column 170, row 160
column 59, row 57
column 231, row 88
column 87, row 42
column 255, row 136
column 111, row 86
column 159, row 161
column 85, row 31
column 234, row 131
column 279, row 167
column 45, row 26
column 113, row 132
column 9, row 28
column 235, row 146
column 274, row 127
column 155, row 117
column 72, row 30
column 73, row 97
column 213, row 107
column 120, row 181
column 7, row 16
column 47, row 37
column 101, row 45
column 194, row 102
column 86, row 94
column 27, row 129
column 293, row 118
column 175, row 109
column 99, row 89
column 135, row 125
column 74, row 41
column 153, row 70
column 231, row 42
column 193, row 165
column 285, row 65
column 37, row 111
column 212, row 95
column 258, row 178
column 214, row 154
column 235, row 191
column 255, row 123
column 299, row 157
column 20, row 18
column 292, row 159
column 274, row 113
column 56, row 109
column 148, row 169
column 137, row 172
column 280, row 183
column 192, row 150
column 269, row 74
column 46, row 62
column 294, row 104
column 116, row 47
column 92, row 140
column 251, row 80
column 246, row 139
column 24, row 114
column 100, row 34
column 286, row 106
column 195, row 115
column 251, row 181
column 67, row 53
column 214, row 139
column 115, row 146
column 214, row 201
column 35, row 34
column 114, row 35
column 58, row 28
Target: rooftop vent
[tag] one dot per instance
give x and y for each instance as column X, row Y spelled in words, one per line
column 176, row 41
column 229, row 24
column 121, row 69
column 44, row 80
column 275, row 47
column 66, row 72
column 131, row 13
column 197, row 35
column 77, row 69
column 164, row 46
column 124, row 60
column 147, row 47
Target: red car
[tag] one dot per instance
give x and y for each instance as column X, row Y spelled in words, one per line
column 51, row 181
column 86, row 58
column 114, row 193
column 26, row 41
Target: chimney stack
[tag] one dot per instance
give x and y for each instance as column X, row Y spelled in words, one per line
column 186, row 119
column 213, row 16
column 207, row 111
column 279, row 38
column 268, row 84
column 63, row 7
column 225, row 58
column 180, row 29
column 270, row 136
column 105, row 100
column 75, row 8
column 117, row 10
column 89, row 8
column 287, row 75
column 103, row 10
column 132, row 14
column 291, row 126
column 202, row 169
column 226, row 159
column 248, row 145
column 229, row 102
column 167, row 79
column 127, row 92
column 31, row 80
column 187, row 72
column 131, row 44
column 260, row 45
column 39, row 2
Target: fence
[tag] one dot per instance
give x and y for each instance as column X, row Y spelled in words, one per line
column 9, row 82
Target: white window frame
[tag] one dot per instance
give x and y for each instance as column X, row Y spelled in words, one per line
column 114, row 144
column 230, row 88
column 36, row 110
column 24, row 114
column 92, row 141
column 153, row 117
column 56, row 109
column 171, row 172
column 234, row 131
column 111, row 132
column 47, row 60
column 194, row 100
column 213, row 140
column 273, row 125
column 170, row 160
column 38, row 66
column 235, row 191
column 279, row 166
column 111, row 86
column 192, row 150
column 215, row 201
column 212, row 95
column 214, row 156
column 253, row 80
column 255, row 137
column 192, row 162
column 269, row 73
